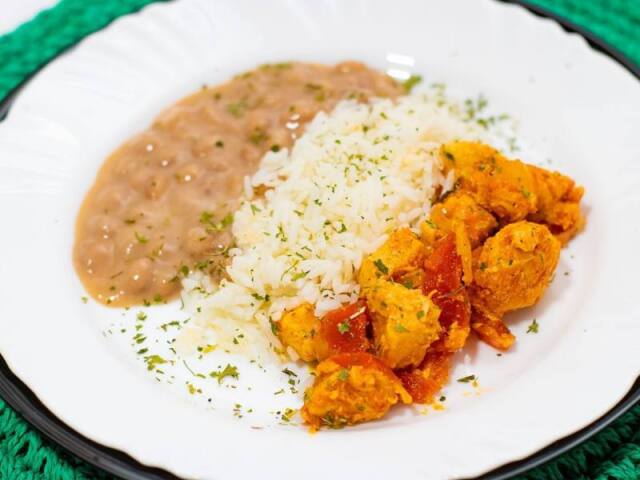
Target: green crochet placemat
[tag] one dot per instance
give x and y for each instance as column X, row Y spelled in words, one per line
column 614, row 453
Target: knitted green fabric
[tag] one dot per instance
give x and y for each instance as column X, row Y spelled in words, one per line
column 613, row 454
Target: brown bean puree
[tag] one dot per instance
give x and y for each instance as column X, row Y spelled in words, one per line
column 162, row 203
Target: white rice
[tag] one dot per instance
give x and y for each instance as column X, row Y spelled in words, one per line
column 352, row 178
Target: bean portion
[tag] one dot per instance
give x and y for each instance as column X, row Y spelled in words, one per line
column 162, row 204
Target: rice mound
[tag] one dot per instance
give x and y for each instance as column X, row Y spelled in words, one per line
column 355, row 175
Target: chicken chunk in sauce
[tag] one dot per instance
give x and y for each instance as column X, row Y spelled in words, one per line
column 405, row 321
column 351, row 388
column 511, row 271
column 513, row 191
column 489, row 247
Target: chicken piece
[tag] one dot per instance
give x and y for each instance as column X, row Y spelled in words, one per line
column 459, row 208
column 443, row 283
column 492, row 330
column 513, row 269
column 506, row 188
column 558, row 204
column 401, row 253
column 425, row 382
column 513, row 190
column 298, row 329
column 405, row 323
column 351, row 388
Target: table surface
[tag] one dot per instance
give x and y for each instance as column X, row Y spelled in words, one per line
column 16, row 12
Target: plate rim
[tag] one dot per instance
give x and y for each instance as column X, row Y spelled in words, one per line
column 20, row 398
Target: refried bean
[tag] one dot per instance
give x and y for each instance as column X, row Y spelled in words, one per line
column 162, row 204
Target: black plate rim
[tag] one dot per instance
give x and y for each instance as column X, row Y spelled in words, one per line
column 19, row 397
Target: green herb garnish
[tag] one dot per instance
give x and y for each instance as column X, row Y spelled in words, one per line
column 400, row 328
column 141, row 238
column 344, row 327
column 411, row 82
column 228, row 371
column 381, row 266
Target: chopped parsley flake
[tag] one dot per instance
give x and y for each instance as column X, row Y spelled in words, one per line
column 411, row 82
column 533, row 328
column 257, row 137
column 207, row 219
column 141, row 238
column 288, row 414
column 299, row 275
column 274, row 327
column 344, row 327
column 228, row 371
column 400, row 328
column 237, row 109
column 467, row 379
column 153, row 361
column 174, row 323
column 381, row 266
column 192, row 389
column 343, row 375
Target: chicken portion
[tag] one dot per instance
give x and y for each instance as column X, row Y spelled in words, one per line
column 405, row 322
column 490, row 246
column 558, row 204
column 514, row 191
column 402, row 252
column 506, row 188
column 351, row 388
column 459, row 208
column 299, row 329
column 511, row 271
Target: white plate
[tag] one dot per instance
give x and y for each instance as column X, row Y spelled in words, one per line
column 575, row 106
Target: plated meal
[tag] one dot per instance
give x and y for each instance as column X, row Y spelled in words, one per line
column 328, row 215
column 383, row 228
